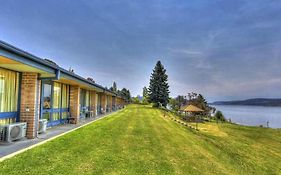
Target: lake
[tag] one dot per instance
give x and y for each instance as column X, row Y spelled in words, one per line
column 252, row 115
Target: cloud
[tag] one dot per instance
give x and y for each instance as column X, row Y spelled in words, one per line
column 223, row 49
column 187, row 51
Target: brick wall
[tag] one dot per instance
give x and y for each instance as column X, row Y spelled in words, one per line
column 29, row 109
column 74, row 103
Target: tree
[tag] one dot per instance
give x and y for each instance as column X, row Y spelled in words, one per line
column 118, row 92
column 114, row 87
column 144, row 95
column 181, row 100
column 125, row 93
column 158, row 87
column 173, row 104
column 91, row 79
column 177, row 102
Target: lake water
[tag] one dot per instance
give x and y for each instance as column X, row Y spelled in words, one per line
column 252, row 115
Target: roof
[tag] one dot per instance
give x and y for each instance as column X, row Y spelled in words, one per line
column 43, row 62
column 191, row 108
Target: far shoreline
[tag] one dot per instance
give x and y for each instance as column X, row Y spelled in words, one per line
column 212, row 104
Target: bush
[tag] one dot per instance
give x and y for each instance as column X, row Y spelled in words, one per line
column 219, row 116
column 145, row 103
column 135, row 100
column 156, row 105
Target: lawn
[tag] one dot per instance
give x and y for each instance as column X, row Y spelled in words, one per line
column 139, row 140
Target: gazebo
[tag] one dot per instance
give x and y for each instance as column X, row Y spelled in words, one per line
column 194, row 110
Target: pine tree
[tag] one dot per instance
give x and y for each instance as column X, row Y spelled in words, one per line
column 114, row 87
column 158, row 87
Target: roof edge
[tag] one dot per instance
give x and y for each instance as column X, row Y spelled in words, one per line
column 39, row 60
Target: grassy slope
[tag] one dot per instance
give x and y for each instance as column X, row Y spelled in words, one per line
column 139, row 140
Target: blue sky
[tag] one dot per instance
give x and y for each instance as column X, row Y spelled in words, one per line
column 222, row 49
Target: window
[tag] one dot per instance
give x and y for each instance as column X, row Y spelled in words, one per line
column 87, row 98
column 65, row 96
column 64, row 115
column 47, row 96
column 47, row 116
column 2, row 84
column 56, row 116
column 98, row 98
column 7, row 120
column 57, row 95
column 56, row 102
column 84, row 98
column 9, row 88
column 65, row 101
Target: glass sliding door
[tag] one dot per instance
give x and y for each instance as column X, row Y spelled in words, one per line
column 9, row 95
column 107, row 103
column 84, row 102
column 98, row 103
column 65, row 102
column 55, row 102
column 113, row 104
column 46, row 102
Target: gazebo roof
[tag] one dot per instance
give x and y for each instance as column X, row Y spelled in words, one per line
column 191, row 108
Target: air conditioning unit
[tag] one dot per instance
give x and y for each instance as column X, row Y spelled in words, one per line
column 42, row 126
column 2, row 133
column 14, row 131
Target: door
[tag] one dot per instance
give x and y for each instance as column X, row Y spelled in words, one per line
column 46, row 102
column 56, row 104
column 99, row 103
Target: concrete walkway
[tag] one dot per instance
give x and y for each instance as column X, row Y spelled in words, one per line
column 10, row 148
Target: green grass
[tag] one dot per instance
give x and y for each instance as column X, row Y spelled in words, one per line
column 139, row 140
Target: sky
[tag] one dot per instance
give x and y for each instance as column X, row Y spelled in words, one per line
column 226, row 50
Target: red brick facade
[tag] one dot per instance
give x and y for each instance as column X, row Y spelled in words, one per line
column 29, row 105
column 74, row 103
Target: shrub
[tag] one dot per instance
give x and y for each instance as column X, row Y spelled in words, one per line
column 156, row 105
column 219, row 116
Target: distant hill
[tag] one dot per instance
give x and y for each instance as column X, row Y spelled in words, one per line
column 252, row 102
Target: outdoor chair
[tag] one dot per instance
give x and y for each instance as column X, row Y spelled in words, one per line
column 70, row 120
column 89, row 114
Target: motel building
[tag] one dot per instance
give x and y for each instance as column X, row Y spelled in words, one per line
column 38, row 92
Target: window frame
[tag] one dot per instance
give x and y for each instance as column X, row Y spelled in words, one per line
column 13, row 114
column 53, row 110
